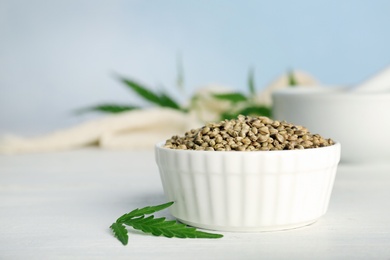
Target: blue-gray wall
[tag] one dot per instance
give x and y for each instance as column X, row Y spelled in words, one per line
column 56, row 56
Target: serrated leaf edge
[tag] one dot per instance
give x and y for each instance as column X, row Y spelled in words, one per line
column 143, row 211
column 155, row 226
column 168, row 228
column 120, row 232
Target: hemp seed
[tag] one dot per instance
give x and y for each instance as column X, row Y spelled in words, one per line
column 248, row 134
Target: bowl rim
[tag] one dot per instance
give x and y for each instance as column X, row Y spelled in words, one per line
column 335, row 146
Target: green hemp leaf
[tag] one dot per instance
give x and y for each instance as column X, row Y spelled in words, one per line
column 155, row 226
column 120, row 232
column 292, row 81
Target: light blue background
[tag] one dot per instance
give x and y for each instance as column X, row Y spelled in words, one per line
column 56, row 56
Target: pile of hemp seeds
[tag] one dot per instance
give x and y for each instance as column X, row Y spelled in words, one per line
column 248, row 134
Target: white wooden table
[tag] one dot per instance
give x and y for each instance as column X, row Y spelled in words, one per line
column 60, row 205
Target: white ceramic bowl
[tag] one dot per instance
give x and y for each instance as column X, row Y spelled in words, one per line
column 248, row 191
column 359, row 121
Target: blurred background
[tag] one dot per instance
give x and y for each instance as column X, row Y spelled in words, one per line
column 58, row 56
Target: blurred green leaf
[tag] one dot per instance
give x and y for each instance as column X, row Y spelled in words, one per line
column 248, row 111
column 143, row 91
column 180, row 73
column 163, row 100
column 168, row 101
column 107, row 108
column 251, row 82
column 291, row 79
column 256, row 111
column 232, row 97
column 228, row 115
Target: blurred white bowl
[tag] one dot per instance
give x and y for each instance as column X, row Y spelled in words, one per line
column 248, row 191
column 359, row 121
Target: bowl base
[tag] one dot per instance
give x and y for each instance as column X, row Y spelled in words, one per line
column 249, row 229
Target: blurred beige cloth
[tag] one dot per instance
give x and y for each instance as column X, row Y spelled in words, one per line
column 134, row 129
column 141, row 129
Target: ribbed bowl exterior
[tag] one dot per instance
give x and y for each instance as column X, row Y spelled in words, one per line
column 248, row 191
